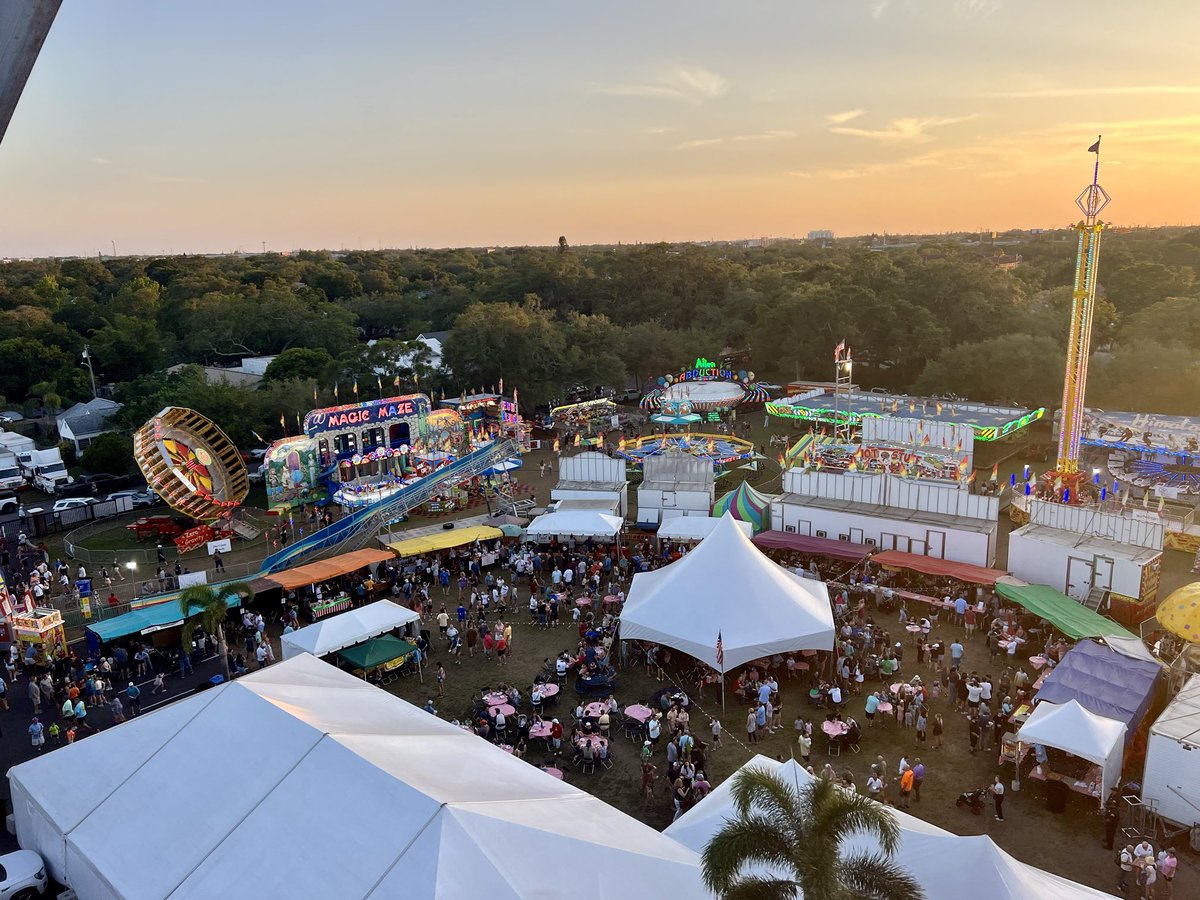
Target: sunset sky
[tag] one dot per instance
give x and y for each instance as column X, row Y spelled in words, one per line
column 219, row 125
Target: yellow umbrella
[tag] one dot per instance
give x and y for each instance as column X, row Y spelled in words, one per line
column 1180, row 612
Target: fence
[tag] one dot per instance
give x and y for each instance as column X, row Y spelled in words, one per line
column 40, row 522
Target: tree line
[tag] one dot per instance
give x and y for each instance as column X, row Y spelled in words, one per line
column 933, row 317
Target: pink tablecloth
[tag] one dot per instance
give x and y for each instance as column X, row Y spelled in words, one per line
column 611, row 598
column 495, row 698
column 540, row 731
column 1037, row 662
column 583, row 601
column 549, row 689
column 505, row 708
column 593, row 710
column 594, row 739
column 834, row 728
column 553, row 772
column 912, row 629
column 884, row 707
column 639, row 713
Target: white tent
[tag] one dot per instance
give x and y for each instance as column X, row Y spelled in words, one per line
column 302, row 781
column 347, row 629
column 575, row 523
column 948, row 866
column 1080, row 732
column 727, row 586
column 695, row 528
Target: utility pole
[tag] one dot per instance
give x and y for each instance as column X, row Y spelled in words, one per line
column 87, row 358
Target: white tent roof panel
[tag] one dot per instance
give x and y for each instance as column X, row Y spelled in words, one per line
column 393, row 802
column 727, row 586
column 577, row 523
column 1080, row 732
column 347, row 629
column 694, row 528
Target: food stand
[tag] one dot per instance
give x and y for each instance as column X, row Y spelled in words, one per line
column 41, row 626
column 329, row 606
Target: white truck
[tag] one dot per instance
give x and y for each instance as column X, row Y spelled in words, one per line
column 47, row 470
column 18, row 444
column 11, row 478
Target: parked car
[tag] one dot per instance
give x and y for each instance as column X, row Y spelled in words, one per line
column 142, row 499
column 22, row 875
column 257, row 474
column 71, row 503
column 92, row 485
column 9, row 503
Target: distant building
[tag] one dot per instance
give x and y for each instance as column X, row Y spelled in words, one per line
column 1007, row 261
column 84, row 422
column 247, row 373
column 820, row 235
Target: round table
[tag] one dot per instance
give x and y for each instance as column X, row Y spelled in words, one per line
column 639, row 713
column 594, row 710
column 541, row 731
column 507, row 748
column 495, row 698
column 884, row 707
column 549, row 689
column 1037, row 662
column 583, row 601
column 506, row 708
column 834, row 728
column 611, row 599
column 553, row 772
column 594, row 739
column 896, row 688
column 913, row 629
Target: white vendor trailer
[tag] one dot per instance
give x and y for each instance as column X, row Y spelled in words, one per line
column 1171, row 781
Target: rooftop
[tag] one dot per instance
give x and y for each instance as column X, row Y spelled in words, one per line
column 895, row 513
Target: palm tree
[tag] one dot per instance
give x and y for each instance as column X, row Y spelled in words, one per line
column 799, row 831
column 213, row 608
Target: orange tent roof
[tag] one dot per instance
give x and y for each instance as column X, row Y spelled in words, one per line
column 325, row 569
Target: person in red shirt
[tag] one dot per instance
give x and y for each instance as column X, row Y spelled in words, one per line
column 488, row 643
column 556, row 733
column 501, row 649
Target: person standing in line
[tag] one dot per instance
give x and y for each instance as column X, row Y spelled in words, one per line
column 997, row 791
column 752, row 727
column 1112, row 819
column 1167, row 865
column 441, row 679
column 715, row 725
column 918, row 777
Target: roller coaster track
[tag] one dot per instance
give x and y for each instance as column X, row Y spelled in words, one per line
column 358, row 529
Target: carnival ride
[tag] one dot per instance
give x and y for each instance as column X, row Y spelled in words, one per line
column 706, row 387
column 1066, row 481
column 825, row 452
column 191, row 464
column 718, row 449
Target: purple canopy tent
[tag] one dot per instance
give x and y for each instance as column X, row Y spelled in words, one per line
column 1105, row 682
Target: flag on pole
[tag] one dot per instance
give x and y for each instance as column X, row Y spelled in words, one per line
column 939, row 408
column 1162, row 502
column 995, row 471
column 356, row 388
column 1146, row 500
column 379, row 381
column 720, row 651
column 963, row 464
column 971, row 477
column 501, row 392
column 1095, row 148
column 258, row 437
column 396, row 382
column 315, row 400
column 924, row 440
column 837, row 351
column 283, row 423
column 299, row 424
column 335, row 392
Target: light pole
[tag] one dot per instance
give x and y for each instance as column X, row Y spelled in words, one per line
column 87, row 358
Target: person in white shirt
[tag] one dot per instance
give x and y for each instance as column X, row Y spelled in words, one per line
column 1145, row 848
column 835, row 695
column 568, row 576
column 985, row 690
column 874, row 786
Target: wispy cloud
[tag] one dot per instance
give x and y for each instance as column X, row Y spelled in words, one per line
column 773, row 134
column 907, row 129
column 841, row 118
column 664, row 129
column 688, row 85
column 1113, row 91
column 977, row 7
column 101, row 161
column 702, row 142
column 878, row 8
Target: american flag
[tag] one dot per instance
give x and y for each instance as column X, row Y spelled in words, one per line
column 720, row 651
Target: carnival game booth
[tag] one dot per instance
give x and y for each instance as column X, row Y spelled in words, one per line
column 391, row 802
column 329, row 572
column 347, row 629
column 727, row 588
column 1171, row 782
column 486, row 416
column 947, row 866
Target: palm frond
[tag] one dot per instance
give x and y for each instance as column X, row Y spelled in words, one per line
column 753, row 838
column 752, row 888
column 875, row 877
column 837, row 813
column 766, row 792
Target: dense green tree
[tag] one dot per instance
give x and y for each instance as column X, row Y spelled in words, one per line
column 1018, row 369
column 111, row 452
column 1175, row 320
column 300, row 362
column 1142, row 283
column 1148, row 377
column 125, row 347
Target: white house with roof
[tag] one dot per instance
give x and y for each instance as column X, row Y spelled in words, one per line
column 84, row 422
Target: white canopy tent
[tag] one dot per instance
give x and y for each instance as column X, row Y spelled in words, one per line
column 302, row 781
column 1080, row 732
column 948, row 866
column 347, row 629
column 727, row 586
column 575, row 523
column 695, row 528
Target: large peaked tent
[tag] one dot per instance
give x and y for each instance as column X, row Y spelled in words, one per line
column 302, row 781
column 1070, row 727
column 727, row 586
column 347, row 629
column 746, row 504
column 948, row 866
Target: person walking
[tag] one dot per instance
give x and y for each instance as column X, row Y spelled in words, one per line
column 134, row 693
column 997, row 791
column 752, row 727
column 441, row 679
column 1112, row 819
column 918, row 777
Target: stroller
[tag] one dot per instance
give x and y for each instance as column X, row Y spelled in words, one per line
column 975, row 800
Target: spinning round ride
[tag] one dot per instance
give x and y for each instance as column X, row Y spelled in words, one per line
column 718, row 449
column 191, row 464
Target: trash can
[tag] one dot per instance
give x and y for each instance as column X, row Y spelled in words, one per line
column 1056, row 796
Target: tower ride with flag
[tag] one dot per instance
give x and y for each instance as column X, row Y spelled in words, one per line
column 1066, row 480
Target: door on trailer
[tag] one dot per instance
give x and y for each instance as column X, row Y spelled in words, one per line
column 856, row 535
column 1102, row 576
column 668, row 499
column 936, row 542
column 1080, row 573
column 918, row 547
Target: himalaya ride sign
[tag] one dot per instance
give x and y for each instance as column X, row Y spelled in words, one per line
column 370, row 412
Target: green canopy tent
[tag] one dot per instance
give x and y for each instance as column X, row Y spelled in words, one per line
column 1065, row 613
column 377, row 652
